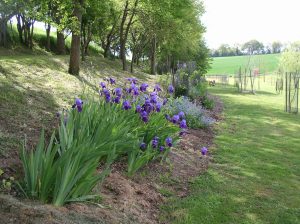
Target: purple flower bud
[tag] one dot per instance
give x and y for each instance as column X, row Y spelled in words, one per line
column 182, row 133
column 181, row 115
column 78, row 102
column 143, row 146
column 106, row 92
column 134, row 80
column 167, row 117
column 138, row 109
column 204, row 151
column 158, row 107
column 126, row 105
column 161, row 148
column 112, row 81
column 118, row 92
column 103, row 85
column 129, row 80
column 183, row 124
column 157, row 88
column 145, row 119
column 169, row 142
column 144, row 87
column 165, row 101
column 175, row 119
column 153, row 99
column 107, row 98
column 79, row 108
column 171, row 89
column 156, row 138
column 144, row 116
column 117, row 100
column 135, row 91
column 154, row 143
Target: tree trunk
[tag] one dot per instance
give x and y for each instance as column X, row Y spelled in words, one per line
column 20, row 29
column 132, row 61
column 74, row 65
column 48, row 44
column 60, row 43
column 30, row 32
column 153, row 56
column 3, row 33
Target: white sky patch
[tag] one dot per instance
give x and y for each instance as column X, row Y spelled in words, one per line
column 238, row 21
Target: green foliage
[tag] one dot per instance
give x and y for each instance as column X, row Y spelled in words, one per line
column 290, row 59
column 181, row 91
column 66, row 169
column 6, row 184
column 208, row 103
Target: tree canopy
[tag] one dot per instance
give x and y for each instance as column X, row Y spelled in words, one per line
column 159, row 31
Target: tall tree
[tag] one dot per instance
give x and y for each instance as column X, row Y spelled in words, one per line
column 74, row 65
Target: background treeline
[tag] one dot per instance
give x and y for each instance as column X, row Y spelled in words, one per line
column 157, row 32
column 250, row 47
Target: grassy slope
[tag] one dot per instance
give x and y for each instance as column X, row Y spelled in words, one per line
column 34, row 87
column 255, row 174
column 229, row 65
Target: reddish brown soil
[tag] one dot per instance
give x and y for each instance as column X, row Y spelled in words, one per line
column 125, row 200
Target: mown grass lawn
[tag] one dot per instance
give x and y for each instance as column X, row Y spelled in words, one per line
column 230, row 65
column 255, row 173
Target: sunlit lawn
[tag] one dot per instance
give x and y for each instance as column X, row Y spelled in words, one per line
column 255, row 173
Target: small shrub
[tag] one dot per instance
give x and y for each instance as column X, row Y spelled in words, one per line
column 208, row 103
column 195, row 115
column 181, row 91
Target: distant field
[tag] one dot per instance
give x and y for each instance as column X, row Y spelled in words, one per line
column 229, row 65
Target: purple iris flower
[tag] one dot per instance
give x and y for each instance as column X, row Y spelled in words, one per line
column 106, row 92
column 157, row 88
column 161, row 148
column 126, row 105
column 175, row 119
column 78, row 104
column 165, row 101
column 158, row 107
column 204, row 151
column 156, row 138
column 182, row 133
column 107, row 98
column 154, row 143
column 144, row 116
column 138, row 109
column 144, row 87
column 129, row 79
column 168, row 117
column 112, row 81
column 143, row 146
column 128, row 90
column 181, row 115
column 118, row 92
column 135, row 91
column 134, row 80
column 171, row 89
column 117, row 100
column 183, row 124
column 153, row 99
column 103, row 85
column 169, row 142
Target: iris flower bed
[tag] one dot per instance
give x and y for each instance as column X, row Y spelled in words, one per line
column 125, row 121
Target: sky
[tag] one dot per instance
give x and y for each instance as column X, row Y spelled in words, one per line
column 237, row 21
